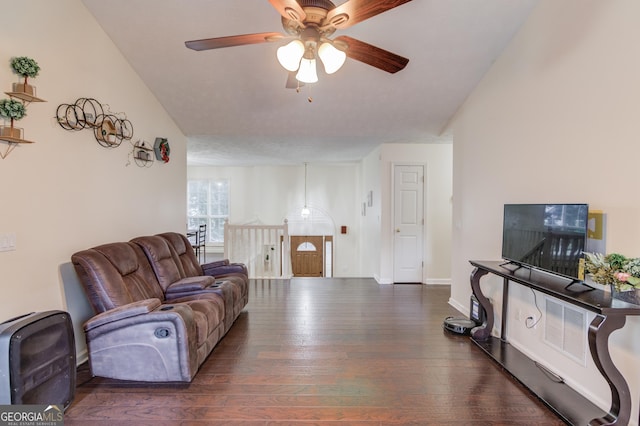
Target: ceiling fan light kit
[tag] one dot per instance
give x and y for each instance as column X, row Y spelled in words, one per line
column 290, row 55
column 307, row 71
column 294, row 56
column 331, row 58
column 306, row 212
column 310, row 23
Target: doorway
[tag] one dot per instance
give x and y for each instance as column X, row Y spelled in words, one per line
column 307, row 255
column 408, row 207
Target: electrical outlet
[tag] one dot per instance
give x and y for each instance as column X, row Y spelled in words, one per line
column 532, row 321
column 8, row 241
column 519, row 315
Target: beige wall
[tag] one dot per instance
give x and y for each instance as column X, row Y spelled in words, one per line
column 378, row 172
column 66, row 193
column 555, row 120
column 371, row 224
column 269, row 194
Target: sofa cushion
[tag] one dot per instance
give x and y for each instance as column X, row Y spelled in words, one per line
column 116, row 274
column 208, row 313
column 184, row 251
column 163, row 260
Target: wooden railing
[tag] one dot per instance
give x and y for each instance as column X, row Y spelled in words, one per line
column 263, row 248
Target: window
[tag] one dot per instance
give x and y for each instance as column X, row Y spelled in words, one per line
column 208, row 203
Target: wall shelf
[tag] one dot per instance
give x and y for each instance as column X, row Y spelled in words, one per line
column 20, row 95
column 11, row 144
column 27, row 98
column 142, row 154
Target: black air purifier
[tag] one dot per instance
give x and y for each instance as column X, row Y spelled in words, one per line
column 37, row 359
column 477, row 313
column 464, row 326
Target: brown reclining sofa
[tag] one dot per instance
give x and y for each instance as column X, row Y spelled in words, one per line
column 159, row 313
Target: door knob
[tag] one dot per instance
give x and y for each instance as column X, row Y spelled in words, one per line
column 398, row 230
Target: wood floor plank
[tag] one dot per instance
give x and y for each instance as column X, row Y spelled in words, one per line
column 327, row 352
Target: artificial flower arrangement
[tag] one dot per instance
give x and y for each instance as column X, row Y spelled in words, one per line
column 26, row 67
column 12, row 110
column 613, row 269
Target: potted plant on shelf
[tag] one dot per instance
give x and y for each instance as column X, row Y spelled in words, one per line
column 12, row 110
column 26, row 67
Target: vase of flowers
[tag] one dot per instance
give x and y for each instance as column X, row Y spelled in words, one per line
column 618, row 272
column 12, row 110
column 25, row 67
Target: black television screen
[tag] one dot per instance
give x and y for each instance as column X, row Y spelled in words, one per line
column 550, row 237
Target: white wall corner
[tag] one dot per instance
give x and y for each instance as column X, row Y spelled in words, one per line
column 464, row 309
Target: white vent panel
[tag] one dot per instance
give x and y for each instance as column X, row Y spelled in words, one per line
column 565, row 329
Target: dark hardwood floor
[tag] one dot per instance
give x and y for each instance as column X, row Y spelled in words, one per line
column 327, row 351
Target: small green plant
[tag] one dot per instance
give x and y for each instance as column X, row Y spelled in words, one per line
column 12, row 109
column 25, row 67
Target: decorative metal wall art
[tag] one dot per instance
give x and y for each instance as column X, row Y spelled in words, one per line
column 108, row 128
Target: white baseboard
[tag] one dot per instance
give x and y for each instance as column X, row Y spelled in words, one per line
column 380, row 280
column 430, row 281
column 82, row 357
column 464, row 309
column 438, row 281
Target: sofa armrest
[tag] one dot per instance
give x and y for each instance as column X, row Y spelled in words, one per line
column 122, row 312
column 149, row 345
column 226, row 269
column 190, row 284
column 216, row 264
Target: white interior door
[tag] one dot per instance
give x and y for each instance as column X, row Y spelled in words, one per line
column 408, row 223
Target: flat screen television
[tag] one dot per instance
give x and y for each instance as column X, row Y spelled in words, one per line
column 550, row 237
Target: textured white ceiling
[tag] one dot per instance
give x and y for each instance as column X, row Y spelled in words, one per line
column 232, row 103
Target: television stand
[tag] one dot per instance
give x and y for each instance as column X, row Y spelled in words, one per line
column 569, row 405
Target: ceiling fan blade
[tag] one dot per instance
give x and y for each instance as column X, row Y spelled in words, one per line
column 292, row 81
column 289, row 9
column 238, row 40
column 354, row 11
column 372, row 55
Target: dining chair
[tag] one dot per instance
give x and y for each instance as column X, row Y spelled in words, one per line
column 199, row 245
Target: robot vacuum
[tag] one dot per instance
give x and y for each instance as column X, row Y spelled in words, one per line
column 459, row 325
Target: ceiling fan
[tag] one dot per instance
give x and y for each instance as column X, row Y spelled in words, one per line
column 308, row 24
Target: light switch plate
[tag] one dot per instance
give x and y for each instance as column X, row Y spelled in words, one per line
column 8, row 241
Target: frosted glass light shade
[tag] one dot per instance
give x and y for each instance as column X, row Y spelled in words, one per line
column 332, row 58
column 307, row 71
column 290, row 54
column 305, row 213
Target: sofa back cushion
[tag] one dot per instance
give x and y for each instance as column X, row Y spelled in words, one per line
column 185, row 253
column 116, row 274
column 163, row 259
